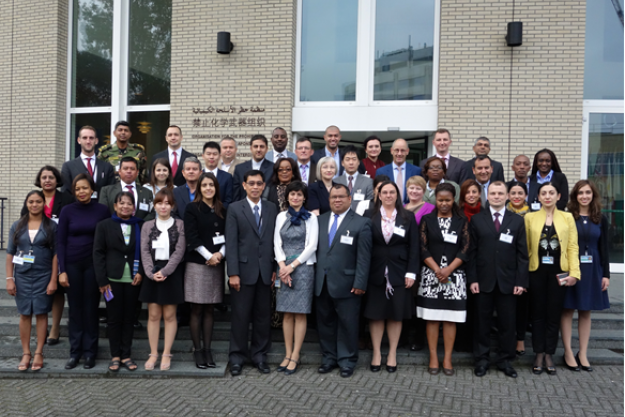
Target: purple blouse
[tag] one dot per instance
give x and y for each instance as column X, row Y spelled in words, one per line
column 426, row 208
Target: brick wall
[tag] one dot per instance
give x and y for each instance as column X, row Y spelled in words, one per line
column 258, row 73
column 547, row 78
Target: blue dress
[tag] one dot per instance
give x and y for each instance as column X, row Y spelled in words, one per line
column 587, row 294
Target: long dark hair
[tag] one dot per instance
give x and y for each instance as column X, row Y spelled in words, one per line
column 464, row 189
column 405, row 214
column 22, row 223
column 595, row 204
column 169, row 182
column 217, row 204
column 294, row 171
column 555, row 166
column 455, row 209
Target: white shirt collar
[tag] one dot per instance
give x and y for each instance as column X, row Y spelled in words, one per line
column 214, row 172
column 328, row 153
column 354, row 175
column 85, row 157
column 259, row 204
column 134, row 186
column 501, row 212
column 446, row 157
column 257, row 165
column 402, row 166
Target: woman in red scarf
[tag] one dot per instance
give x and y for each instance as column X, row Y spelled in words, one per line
column 470, row 198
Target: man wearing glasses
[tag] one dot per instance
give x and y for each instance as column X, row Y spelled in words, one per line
column 400, row 170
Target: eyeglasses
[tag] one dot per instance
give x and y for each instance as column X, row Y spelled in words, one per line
column 435, row 168
column 255, row 183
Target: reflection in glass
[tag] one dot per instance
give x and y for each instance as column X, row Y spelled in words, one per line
column 100, row 121
column 328, row 61
column 605, row 169
column 404, row 50
column 148, row 129
column 603, row 69
column 92, row 53
column 149, row 55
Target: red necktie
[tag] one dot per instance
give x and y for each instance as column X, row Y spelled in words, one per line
column 129, row 187
column 497, row 223
column 174, row 165
column 89, row 167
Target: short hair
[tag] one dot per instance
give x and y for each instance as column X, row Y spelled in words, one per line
column 122, row 123
column 513, row 184
column 87, row 127
column 349, row 149
column 339, row 187
column 500, row 183
column 55, row 172
column 428, row 162
column 122, row 194
column 447, row 187
column 324, row 161
column 281, row 128
column 370, row 138
column 481, row 158
column 229, row 138
column 296, row 186
column 165, row 193
column 80, row 177
column 332, row 127
column 193, row 160
column 294, row 171
column 259, row 137
column 555, row 166
column 177, row 127
column 464, row 189
column 443, row 130
column 481, row 138
column 253, row 173
column 212, row 145
column 129, row 159
column 303, row 139
column 417, row 180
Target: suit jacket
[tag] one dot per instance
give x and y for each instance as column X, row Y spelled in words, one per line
column 362, row 183
column 320, row 153
column 342, row 266
column 269, row 155
column 178, row 178
column 398, row 254
column 453, row 170
column 110, row 252
column 225, row 187
column 105, row 174
column 250, row 253
column 566, row 229
column 144, row 195
column 181, row 195
column 312, row 172
column 467, row 171
column 411, row 171
column 559, row 180
column 235, row 162
column 433, row 243
column 494, row 262
column 201, row 225
column 238, row 193
column 60, row 201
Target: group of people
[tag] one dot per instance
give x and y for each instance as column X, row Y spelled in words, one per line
column 401, row 247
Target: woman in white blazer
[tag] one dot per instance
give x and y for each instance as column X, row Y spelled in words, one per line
column 295, row 244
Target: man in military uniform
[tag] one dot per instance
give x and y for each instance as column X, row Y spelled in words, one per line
column 113, row 153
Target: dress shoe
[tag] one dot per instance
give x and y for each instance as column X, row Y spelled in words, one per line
column 434, row 371
column 375, row 368
column 449, row 372
column 391, row 369
column 584, row 368
column 137, row 325
column 208, row 354
column 263, row 368
column 346, row 372
column 288, row 371
column 281, row 368
column 200, row 360
column 89, row 363
column 236, row 369
column 572, row 368
column 520, row 352
column 71, row 363
column 480, row 370
column 51, row 341
column 509, row 371
column 103, row 319
column 415, row 347
column 325, row 368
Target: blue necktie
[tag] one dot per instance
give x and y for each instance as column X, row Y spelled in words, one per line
column 333, row 228
column 257, row 217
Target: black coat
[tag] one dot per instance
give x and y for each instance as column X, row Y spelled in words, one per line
column 201, row 225
column 238, row 193
column 467, row 171
column 105, row 174
column 400, row 254
column 60, row 201
column 433, row 244
column 110, row 252
column 178, row 178
column 495, row 262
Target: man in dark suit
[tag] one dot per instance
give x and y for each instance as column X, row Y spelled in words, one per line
column 521, row 167
column 258, row 148
column 399, row 170
column 279, row 140
column 191, row 170
column 481, row 148
column 250, row 225
column 483, row 173
column 360, row 186
column 128, row 173
column 174, row 153
column 332, row 137
column 307, row 168
column 344, row 256
column 442, row 141
column 498, row 274
column 211, row 155
column 102, row 172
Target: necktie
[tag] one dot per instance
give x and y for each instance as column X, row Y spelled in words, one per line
column 89, row 168
column 257, row 217
column 279, row 156
column 400, row 183
column 333, row 229
column 129, row 188
column 497, row 223
column 302, row 168
column 174, row 165
column 350, row 185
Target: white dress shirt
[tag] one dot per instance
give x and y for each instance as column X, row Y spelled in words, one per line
column 403, row 173
column 306, row 170
column 444, row 158
column 337, row 159
column 214, row 172
column 93, row 165
column 501, row 213
column 171, row 156
column 256, row 165
column 339, row 221
column 134, row 191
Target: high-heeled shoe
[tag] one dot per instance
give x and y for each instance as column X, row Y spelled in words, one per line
column 572, row 368
column 149, row 366
column 166, row 367
column 282, row 368
column 584, row 368
column 551, row 369
column 200, row 360
column 537, row 368
column 208, row 354
column 288, row 371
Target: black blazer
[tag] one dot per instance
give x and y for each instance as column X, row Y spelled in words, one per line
column 201, row 225
column 178, row 178
column 238, row 193
column 453, row 170
column 467, row 172
column 249, row 254
column 105, row 174
column 318, row 197
column 495, row 262
column 60, row 201
column 272, row 195
column 320, row 153
column 433, row 244
column 144, row 195
column 110, row 252
column 560, row 181
column 181, row 195
column 398, row 254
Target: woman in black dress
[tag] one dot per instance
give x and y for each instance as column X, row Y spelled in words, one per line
column 162, row 251
column 394, row 268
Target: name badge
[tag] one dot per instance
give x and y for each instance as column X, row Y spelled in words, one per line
column 399, row 231
column 586, row 259
column 219, row 239
column 547, row 260
column 94, row 195
column 348, row 240
column 144, row 207
column 55, row 219
column 505, row 238
column 359, row 196
column 448, row 237
column 535, row 206
column 18, row 260
column 157, row 244
column 116, row 168
column 29, row 259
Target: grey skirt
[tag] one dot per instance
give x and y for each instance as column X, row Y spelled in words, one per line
column 204, row 284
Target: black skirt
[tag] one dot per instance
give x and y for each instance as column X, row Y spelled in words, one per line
column 170, row 291
column 397, row 308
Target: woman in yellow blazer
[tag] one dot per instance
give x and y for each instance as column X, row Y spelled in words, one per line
column 552, row 247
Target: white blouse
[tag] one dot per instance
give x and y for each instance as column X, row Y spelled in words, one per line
column 308, row 255
column 161, row 253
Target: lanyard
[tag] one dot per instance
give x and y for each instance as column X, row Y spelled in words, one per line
column 586, row 232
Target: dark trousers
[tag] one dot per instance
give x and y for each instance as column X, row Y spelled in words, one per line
column 465, row 340
column 522, row 315
column 337, row 326
column 83, row 297
column 121, row 318
column 487, row 304
column 251, row 304
column 546, row 303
